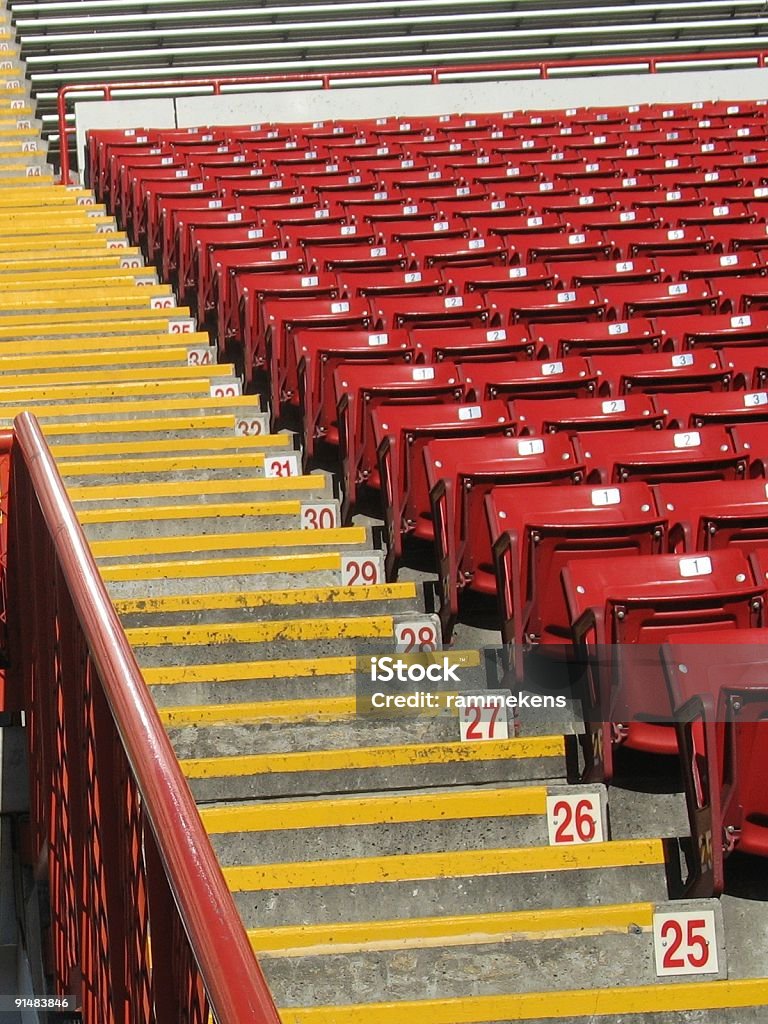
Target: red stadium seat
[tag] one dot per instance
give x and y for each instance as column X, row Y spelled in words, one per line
column 710, row 517
column 718, row 687
column 400, row 434
column 473, row 344
column 619, row 619
column 591, row 273
column 578, row 414
column 460, row 472
column 498, row 278
column 700, row 370
column 537, row 531
column 720, row 331
column 318, row 353
column 614, row 338
column 560, row 378
column 358, row 392
column 658, row 455
column 546, row 304
column 675, row 298
column 697, row 409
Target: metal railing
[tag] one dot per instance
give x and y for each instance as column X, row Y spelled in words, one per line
column 143, row 927
column 434, row 75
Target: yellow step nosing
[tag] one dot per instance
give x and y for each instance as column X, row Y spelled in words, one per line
column 244, row 485
column 306, row 710
column 229, row 672
column 373, row 757
column 215, row 567
column 534, row 1007
column 132, row 389
column 227, row 541
column 469, row 929
column 412, row 867
column 330, row 812
column 116, row 358
column 270, row 631
column 204, row 446
column 257, row 670
column 164, row 464
column 264, row 598
column 163, row 513
column 118, row 375
column 193, row 403
column 214, row 421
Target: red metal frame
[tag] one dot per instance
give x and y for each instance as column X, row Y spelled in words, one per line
column 143, row 927
column 435, row 75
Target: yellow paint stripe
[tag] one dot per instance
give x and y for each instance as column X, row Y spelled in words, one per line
column 181, row 463
column 59, row 392
column 216, row 567
column 100, row 299
column 444, row 864
column 239, row 671
column 224, row 421
column 132, row 375
column 227, row 541
column 300, row 668
column 372, row 757
column 125, row 358
column 377, row 810
column 379, row 626
column 264, row 598
column 539, row 1006
column 97, row 260
column 113, row 344
column 185, row 488
column 157, row 513
column 197, row 407
column 450, row 930
column 83, row 317
column 157, row 446
column 254, row 713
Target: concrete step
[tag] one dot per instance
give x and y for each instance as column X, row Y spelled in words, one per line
column 260, row 606
column 498, row 954
column 141, row 410
column 209, row 467
column 188, row 443
column 483, row 881
column 143, row 360
column 204, row 520
column 216, row 545
column 148, row 429
column 352, row 754
column 310, row 488
column 714, row 1002
column 388, row 824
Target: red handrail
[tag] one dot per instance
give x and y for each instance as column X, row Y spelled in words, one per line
column 221, row 954
column 325, row 79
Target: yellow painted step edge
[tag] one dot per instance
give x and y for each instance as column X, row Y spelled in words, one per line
column 373, row 757
column 227, row 541
column 535, row 1007
column 444, row 864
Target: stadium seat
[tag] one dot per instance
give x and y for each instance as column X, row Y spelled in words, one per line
column 700, row 370
column 460, row 472
column 583, row 414
column 718, row 687
column 658, row 455
column 624, row 301
column 618, row 621
column 316, row 355
column 579, row 338
column 358, row 392
column 400, row 434
column 472, row 344
column 560, row 378
column 710, row 517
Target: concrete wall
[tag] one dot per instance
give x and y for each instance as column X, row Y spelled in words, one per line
column 423, row 99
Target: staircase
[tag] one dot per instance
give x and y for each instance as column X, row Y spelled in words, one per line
column 385, row 869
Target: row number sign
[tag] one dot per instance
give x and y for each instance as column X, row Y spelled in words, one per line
column 226, row 388
column 574, row 819
column 251, row 426
column 685, row 943
column 282, row 466
column 418, row 635
column 201, row 356
column 321, row 515
column 181, row 325
column 361, row 570
column 162, row 302
column 483, row 722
